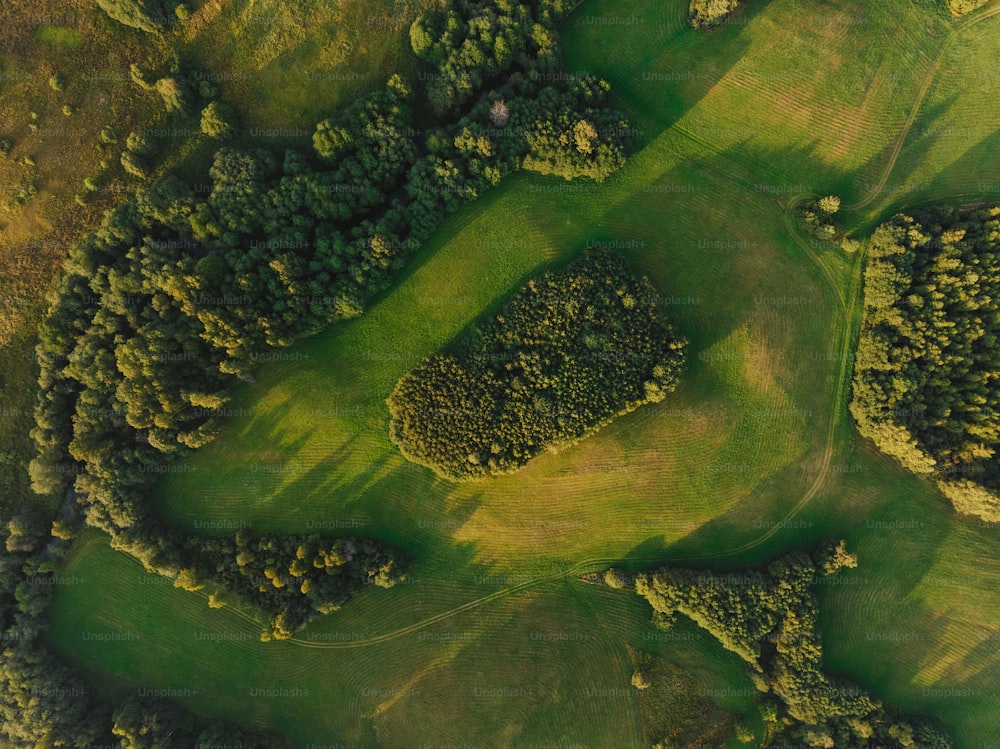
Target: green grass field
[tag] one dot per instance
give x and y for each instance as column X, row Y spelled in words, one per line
column 494, row 642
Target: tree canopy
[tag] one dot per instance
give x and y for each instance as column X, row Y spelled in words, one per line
column 565, row 355
column 927, row 373
column 769, row 618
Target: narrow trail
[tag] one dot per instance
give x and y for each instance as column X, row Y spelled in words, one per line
column 953, row 33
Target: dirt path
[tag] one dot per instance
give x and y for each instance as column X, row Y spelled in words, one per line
column 925, row 88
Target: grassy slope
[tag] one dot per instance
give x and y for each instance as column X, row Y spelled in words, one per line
column 733, row 124
column 282, row 66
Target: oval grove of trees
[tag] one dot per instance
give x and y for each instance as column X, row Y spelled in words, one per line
column 568, row 353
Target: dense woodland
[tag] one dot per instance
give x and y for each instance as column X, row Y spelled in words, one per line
column 927, row 374
column 565, row 355
column 769, row 619
column 180, row 291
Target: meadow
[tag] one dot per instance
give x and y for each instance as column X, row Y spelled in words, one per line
column 494, row 641
column 281, row 66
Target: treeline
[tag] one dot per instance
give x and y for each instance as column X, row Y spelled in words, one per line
column 173, row 297
column 292, row 578
column 567, row 354
column 44, row 702
column 927, row 373
column 769, row 618
column 179, row 291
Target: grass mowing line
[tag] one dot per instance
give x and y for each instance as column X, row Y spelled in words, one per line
column 918, row 103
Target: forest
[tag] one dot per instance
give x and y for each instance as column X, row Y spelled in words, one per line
column 769, row 618
column 179, row 291
column 565, row 355
column 927, row 376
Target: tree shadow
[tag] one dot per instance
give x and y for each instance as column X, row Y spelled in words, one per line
column 672, row 72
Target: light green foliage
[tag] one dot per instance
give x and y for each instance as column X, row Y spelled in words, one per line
column 146, row 15
column 961, row 7
column 707, row 13
column 175, row 96
column 216, row 120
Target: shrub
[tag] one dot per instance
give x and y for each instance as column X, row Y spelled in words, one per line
column 706, row 13
column 139, row 14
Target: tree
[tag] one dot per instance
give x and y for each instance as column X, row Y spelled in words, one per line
column 499, row 113
column 829, row 204
column 707, row 13
column 139, row 14
column 744, row 732
column 172, row 91
column 616, row 578
column 216, row 120
column 152, row 723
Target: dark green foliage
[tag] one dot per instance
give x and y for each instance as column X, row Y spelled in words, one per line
column 707, row 13
column 925, row 383
column 152, row 723
column 374, row 142
column 146, row 15
column 170, row 300
column 472, row 42
column 769, row 618
column 293, row 578
column 567, row 354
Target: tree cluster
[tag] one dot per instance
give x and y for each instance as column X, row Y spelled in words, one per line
column 565, row 355
column 292, row 578
column 817, row 217
column 44, row 702
column 707, row 13
column 472, row 44
column 769, row 618
column 927, row 372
